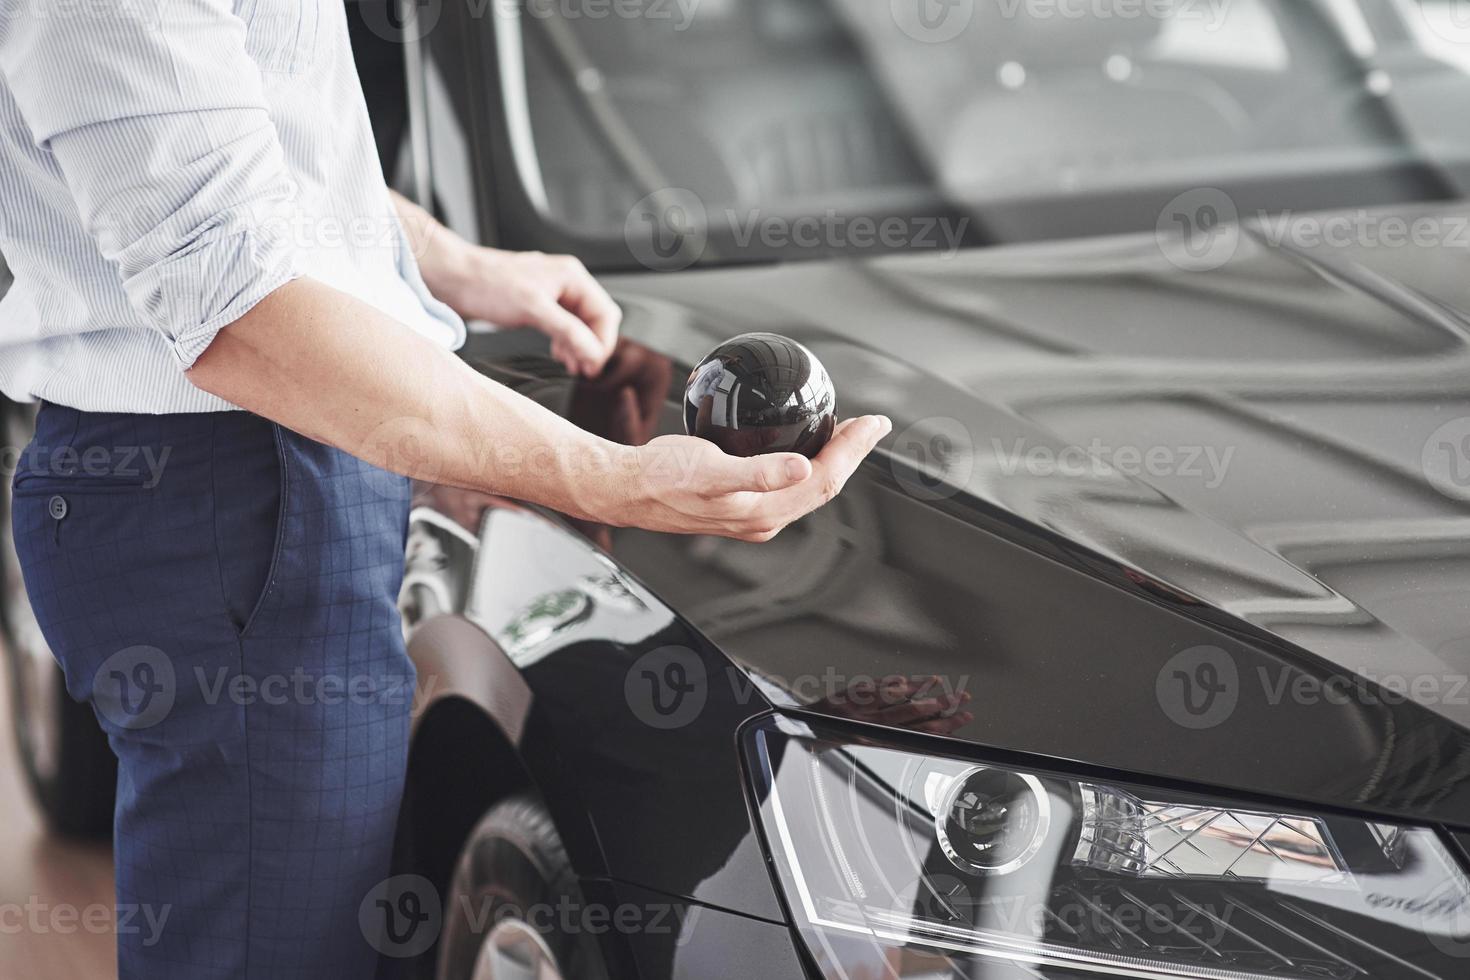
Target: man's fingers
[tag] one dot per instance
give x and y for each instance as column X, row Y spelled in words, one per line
column 944, row 725
column 572, row 335
column 849, row 445
column 565, row 357
column 585, row 297
column 753, row 474
column 782, row 492
column 753, row 498
column 907, row 711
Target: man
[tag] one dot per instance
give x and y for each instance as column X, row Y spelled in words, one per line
column 210, row 274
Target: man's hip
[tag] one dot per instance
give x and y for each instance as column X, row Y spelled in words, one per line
column 223, row 591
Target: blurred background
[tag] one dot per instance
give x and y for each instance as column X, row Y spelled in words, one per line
column 1032, row 127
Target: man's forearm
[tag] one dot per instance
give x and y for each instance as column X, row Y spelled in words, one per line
column 335, row 369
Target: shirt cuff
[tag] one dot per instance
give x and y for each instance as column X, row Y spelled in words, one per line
column 191, row 297
column 188, row 347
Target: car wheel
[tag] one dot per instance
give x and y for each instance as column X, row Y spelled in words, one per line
column 67, row 761
column 507, row 910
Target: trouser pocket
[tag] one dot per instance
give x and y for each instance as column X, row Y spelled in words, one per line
column 249, row 473
column 153, row 523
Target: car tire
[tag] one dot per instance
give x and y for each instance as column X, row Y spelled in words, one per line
column 504, row 916
column 68, row 763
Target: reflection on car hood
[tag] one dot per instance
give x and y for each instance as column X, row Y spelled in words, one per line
column 1254, row 435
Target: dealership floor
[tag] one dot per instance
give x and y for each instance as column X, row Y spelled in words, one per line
column 53, row 892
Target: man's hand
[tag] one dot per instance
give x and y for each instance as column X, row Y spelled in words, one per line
column 689, row 485
column 554, row 294
column 337, row 370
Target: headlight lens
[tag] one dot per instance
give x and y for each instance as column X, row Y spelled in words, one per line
column 904, row 865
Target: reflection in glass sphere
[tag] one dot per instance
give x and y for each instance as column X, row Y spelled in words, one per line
column 761, row 393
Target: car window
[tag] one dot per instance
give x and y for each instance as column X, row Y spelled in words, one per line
column 1247, row 39
column 1019, row 119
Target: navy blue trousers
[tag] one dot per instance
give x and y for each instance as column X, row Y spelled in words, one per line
column 223, row 592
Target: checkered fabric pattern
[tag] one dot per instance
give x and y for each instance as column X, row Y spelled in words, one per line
column 229, row 611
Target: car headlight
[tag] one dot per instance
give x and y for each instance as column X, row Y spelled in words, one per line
column 898, row 864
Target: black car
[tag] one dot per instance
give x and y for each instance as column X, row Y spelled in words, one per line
column 1140, row 649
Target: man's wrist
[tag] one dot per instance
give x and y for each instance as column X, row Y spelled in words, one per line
column 586, row 477
column 451, row 268
column 448, row 263
column 604, row 484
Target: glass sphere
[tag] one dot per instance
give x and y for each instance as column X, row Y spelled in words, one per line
column 761, row 393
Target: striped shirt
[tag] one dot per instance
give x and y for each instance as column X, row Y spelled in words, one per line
column 164, row 165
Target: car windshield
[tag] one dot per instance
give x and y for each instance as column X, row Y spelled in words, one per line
column 796, row 128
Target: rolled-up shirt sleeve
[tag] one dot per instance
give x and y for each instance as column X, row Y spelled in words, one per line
column 157, row 118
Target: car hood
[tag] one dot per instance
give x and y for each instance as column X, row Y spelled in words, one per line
column 1276, row 445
